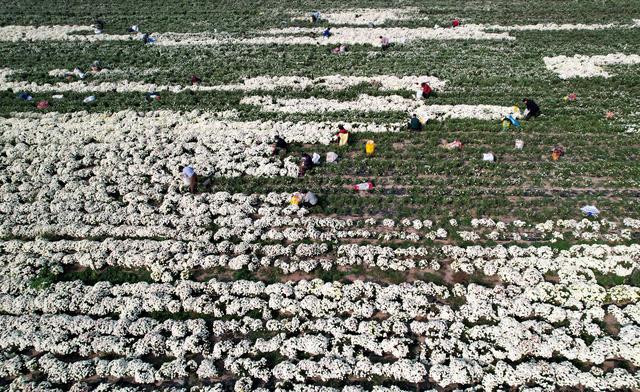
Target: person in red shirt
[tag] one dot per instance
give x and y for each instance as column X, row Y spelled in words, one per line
column 426, row 90
column 456, row 23
column 342, row 135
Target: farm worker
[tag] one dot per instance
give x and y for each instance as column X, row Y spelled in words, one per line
column 42, row 105
column 519, row 144
column 305, row 164
column 370, row 147
column 296, row 198
column 315, row 17
column 327, row 33
column 195, row 80
column 279, row 144
column 415, row 124
column 189, row 177
column 98, row 26
column 309, row 199
column 95, row 66
column 307, row 161
column 148, row 40
column 152, row 95
column 343, row 139
column 533, row 110
column 384, row 42
column 557, row 153
column 332, row 157
column 343, row 135
column 456, row 23
column 133, row 29
column 426, row 90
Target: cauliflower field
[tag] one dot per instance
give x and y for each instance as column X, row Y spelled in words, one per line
column 451, row 274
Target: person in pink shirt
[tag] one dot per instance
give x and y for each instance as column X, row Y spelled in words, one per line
column 384, row 42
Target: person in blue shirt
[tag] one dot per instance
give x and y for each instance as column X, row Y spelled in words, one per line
column 327, row 33
column 189, row 177
column 415, row 124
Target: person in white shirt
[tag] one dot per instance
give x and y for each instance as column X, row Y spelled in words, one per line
column 309, row 199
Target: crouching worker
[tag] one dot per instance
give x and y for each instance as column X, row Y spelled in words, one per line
column 533, row 110
column 305, row 164
column 98, row 26
column 279, row 144
column 415, row 124
column 342, row 135
column 309, row 199
column 189, row 178
column 426, row 90
column 557, row 153
column 147, row 39
column 296, row 199
column 96, row 67
column 384, row 42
